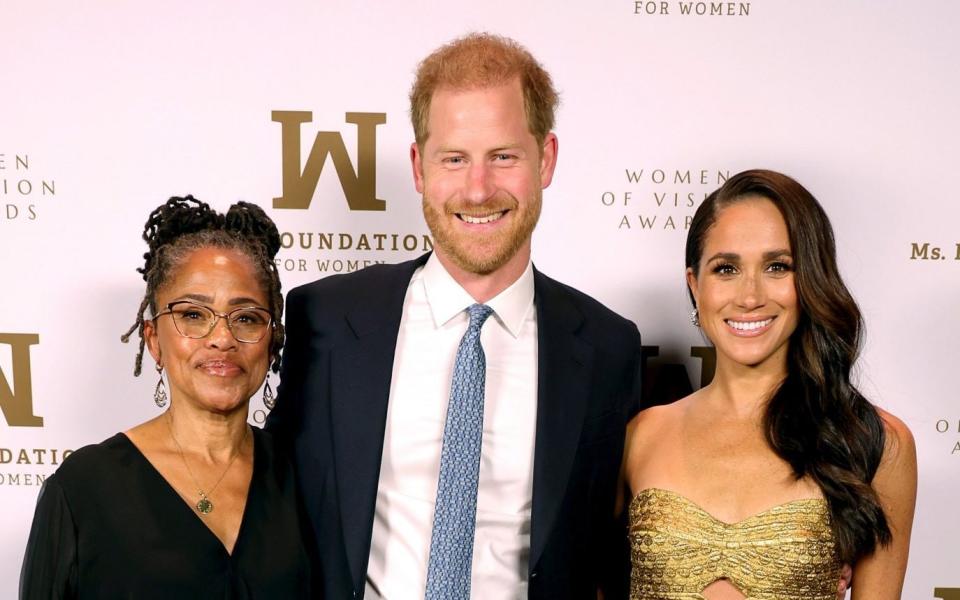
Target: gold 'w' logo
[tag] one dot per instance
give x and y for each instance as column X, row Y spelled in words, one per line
column 359, row 186
column 17, row 406
column 947, row 593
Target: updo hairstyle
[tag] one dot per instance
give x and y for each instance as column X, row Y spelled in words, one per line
column 181, row 226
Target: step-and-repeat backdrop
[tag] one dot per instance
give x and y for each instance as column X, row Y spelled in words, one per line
column 109, row 108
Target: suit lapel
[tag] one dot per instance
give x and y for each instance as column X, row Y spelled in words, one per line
column 361, row 370
column 565, row 364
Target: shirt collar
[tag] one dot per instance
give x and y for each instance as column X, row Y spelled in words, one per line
column 447, row 298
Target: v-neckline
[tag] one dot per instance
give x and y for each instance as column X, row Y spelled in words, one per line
column 189, row 509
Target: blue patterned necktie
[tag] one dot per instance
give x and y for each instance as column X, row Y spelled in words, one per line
column 455, row 519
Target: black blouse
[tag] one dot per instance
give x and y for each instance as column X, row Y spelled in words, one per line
column 108, row 525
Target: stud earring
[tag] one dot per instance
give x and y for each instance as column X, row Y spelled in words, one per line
column 695, row 318
column 160, row 393
column 268, row 398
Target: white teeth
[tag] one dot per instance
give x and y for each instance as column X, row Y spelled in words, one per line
column 748, row 325
column 480, row 220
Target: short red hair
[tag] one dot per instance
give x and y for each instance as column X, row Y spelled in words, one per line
column 481, row 60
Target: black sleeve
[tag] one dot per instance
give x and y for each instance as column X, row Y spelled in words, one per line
column 283, row 420
column 50, row 562
column 615, row 571
column 635, row 401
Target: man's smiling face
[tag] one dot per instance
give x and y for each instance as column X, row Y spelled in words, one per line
column 482, row 173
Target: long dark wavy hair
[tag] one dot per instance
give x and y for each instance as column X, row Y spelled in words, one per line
column 816, row 420
column 180, row 226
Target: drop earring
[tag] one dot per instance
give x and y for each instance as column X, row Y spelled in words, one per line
column 160, row 393
column 268, row 398
column 695, row 318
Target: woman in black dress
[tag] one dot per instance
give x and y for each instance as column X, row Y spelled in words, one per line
column 195, row 502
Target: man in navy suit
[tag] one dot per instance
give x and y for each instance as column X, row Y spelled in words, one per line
column 369, row 396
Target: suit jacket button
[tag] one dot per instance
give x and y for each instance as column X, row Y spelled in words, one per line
column 533, row 574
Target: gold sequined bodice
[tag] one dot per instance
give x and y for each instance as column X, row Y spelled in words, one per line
column 678, row 549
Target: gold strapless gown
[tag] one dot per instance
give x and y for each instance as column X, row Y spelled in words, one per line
column 678, row 549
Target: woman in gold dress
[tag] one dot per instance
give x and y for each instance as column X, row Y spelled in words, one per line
column 766, row 482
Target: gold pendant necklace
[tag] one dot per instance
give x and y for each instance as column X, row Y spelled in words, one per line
column 204, row 506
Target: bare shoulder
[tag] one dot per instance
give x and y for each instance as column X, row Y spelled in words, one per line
column 899, row 445
column 146, row 435
column 651, row 445
column 650, row 420
column 896, row 477
column 880, row 574
column 651, row 425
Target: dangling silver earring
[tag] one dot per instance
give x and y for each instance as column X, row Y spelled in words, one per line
column 695, row 317
column 160, row 394
column 268, row 399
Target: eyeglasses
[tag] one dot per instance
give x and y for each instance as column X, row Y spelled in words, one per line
column 247, row 324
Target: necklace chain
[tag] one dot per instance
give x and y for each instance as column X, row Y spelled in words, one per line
column 204, row 505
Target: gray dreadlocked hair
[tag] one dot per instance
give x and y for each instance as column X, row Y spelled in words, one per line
column 180, row 226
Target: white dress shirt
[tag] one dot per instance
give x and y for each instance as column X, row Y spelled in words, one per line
column 433, row 322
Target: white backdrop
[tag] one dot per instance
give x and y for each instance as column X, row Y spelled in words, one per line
column 109, row 108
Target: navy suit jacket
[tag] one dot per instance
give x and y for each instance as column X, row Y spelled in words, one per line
column 332, row 408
